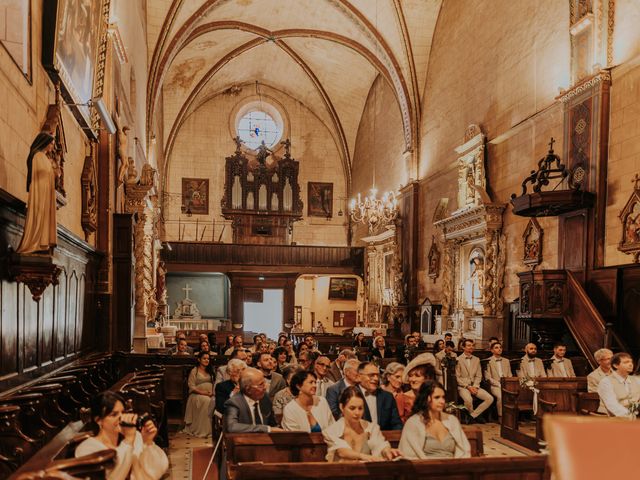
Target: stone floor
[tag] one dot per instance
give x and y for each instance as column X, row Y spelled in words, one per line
column 182, row 445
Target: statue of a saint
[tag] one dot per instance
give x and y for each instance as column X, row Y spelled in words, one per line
column 476, row 280
column 40, row 229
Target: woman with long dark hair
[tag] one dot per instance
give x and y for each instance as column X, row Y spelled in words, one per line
column 351, row 437
column 200, row 404
column 138, row 457
column 430, row 432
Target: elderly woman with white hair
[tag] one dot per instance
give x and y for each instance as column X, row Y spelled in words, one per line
column 379, row 349
column 225, row 390
column 418, row 371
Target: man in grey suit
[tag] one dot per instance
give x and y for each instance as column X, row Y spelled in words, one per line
column 350, row 379
column 250, row 412
column 469, row 376
column 266, row 363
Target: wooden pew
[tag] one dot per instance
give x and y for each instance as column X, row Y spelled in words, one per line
column 93, row 467
column 283, row 447
column 587, row 403
column 15, row 446
column 479, row 468
column 57, row 448
column 556, row 395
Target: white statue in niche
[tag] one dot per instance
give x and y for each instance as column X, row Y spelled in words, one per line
column 475, row 282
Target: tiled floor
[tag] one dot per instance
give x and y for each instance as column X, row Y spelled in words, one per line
column 182, row 444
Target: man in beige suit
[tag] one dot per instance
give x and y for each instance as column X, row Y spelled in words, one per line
column 560, row 366
column 530, row 365
column 497, row 367
column 469, row 375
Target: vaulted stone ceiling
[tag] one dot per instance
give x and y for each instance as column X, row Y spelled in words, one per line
column 324, row 53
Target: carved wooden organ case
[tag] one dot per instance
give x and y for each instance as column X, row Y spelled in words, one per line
column 262, row 196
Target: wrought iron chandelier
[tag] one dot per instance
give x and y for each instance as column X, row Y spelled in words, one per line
column 374, row 211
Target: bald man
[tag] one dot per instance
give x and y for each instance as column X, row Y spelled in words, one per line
column 250, row 412
column 530, row 365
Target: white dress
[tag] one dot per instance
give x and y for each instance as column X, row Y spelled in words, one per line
column 294, row 417
column 334, row 438
column 197, row 416
column 143, row 462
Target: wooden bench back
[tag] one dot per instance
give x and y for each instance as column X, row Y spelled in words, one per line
column 479, row 468
column 283, row 447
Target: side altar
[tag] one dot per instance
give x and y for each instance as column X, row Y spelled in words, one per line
column 474, row 251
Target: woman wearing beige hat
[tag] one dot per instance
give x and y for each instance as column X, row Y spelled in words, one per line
column 419, row 370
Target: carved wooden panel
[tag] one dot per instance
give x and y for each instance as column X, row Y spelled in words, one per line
column 38, row 337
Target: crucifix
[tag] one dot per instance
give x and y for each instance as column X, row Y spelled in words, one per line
column 636, row 182
column 186, row 290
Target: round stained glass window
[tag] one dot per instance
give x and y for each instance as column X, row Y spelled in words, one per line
column 257, row 126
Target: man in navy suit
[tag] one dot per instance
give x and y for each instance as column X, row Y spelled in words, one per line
column 380, row 406
column 350, row 379
column 250, row 411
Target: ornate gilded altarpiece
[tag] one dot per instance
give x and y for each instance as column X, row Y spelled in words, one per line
column 474, row 250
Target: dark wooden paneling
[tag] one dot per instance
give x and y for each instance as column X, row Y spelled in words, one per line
column 602, row 287
column 9, row 322
column 36, row 338
column 573, row 242
column 123, row 317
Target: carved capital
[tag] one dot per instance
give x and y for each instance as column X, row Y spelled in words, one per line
column 135, row 197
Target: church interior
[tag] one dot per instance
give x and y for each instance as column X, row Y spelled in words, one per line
column 359, row 181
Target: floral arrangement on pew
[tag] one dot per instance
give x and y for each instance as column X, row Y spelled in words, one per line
column 532, row 384
column 454, row 409
column 634, row 409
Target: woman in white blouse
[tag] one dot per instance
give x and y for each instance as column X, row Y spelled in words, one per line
column 138, row 457
column 431, row 433
column 351, row 437
column 307, row 412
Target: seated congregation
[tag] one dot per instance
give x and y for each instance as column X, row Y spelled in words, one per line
column 291, row 408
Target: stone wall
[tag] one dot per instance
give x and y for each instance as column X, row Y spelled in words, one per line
column 24, row 102
column 378, row 155
column 499, row 68
column 205, row 139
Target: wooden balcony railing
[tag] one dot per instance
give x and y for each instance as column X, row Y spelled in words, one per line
column 204, row 256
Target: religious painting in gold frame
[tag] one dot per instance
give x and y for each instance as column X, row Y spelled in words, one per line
column 320, row 199
column 72, row 34
column 195, row 196
column 343, row 288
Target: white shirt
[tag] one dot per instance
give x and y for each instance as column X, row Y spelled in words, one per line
column 531, row 366
column 252, row 407
column 499, row 367
column 372, row 403
column 560, row 363
column 137, row 461
column 609, row 398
